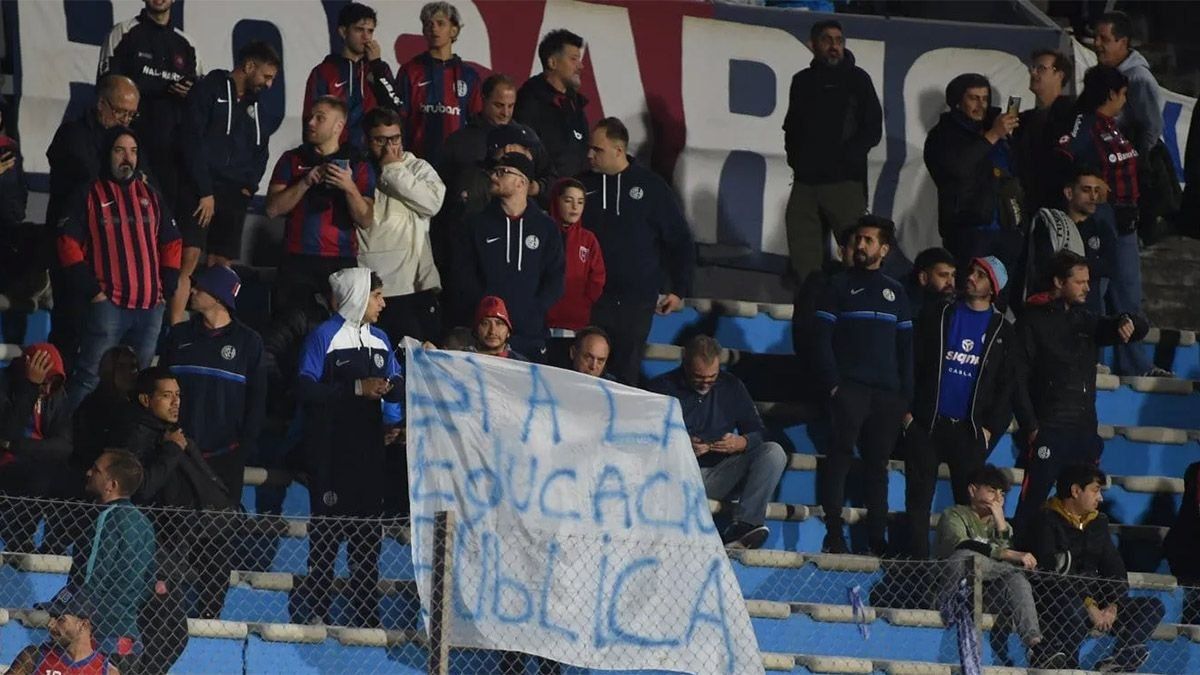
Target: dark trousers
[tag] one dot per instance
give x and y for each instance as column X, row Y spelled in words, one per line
column 870, row 418
column 313, row 595
column 1046, row 456
column 301, row 277
column 417, row 315
column 1065, row 623
column 230, row 468
column 628, row 325
column 950, row 441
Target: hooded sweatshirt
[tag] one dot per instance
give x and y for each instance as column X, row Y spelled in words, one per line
column 226, row 140
column 343, row 432
column 37, row 427
column 1142, row 118
column 647, row 244
column 518, row 258
column 833, row 120
column 120, row 239
column 363, row 85
column 396, row 247
column 585, row 274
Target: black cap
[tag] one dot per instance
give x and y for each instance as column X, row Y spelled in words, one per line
column 515, row 160
column 74, row 603
column 509, row 134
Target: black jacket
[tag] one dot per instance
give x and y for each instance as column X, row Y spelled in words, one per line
column 647, row 244
column 14, row 190
column 864, row 333
column 559, row 121
column 1034, row 144
column 226, row 142
column 461, row 164
column 173, row 477
column 518, row 259
column 1065, row 547
column 991, row 406
column 74, row 157
column 103, row 420
column 833, row 121
column 1183, row 540
column 959, row 160
column 17, row 401
column 155, row 57
column 1055, row 363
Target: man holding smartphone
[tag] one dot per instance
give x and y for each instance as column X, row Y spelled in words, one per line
column 325, row 194
column 727, row 437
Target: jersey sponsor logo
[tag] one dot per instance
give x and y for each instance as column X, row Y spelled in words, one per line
column 1113, row 158
column 222, row 100
column 228, row 352
column 532, row 242
column 583, row 253
column 889, row 295
column 961, row 357
column 968, row 345
column 460, row 87
column 440, row 109
column 636, row 193
column 105, row 205
column 162, row 74
column 145, row 55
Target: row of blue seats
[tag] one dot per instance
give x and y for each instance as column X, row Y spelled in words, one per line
column 766, row 329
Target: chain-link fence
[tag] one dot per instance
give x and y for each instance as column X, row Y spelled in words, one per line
column 169, row 590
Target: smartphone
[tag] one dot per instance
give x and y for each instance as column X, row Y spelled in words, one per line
column 1014, row 105
column 343, row 163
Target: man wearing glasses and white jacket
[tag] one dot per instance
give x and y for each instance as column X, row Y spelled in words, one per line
column 407, row 193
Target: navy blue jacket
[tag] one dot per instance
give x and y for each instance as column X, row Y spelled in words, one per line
column 343, row 432
column 225, row 139
column 642, row 232
column 864, row 334
column 726, row 408
column 223, row 378
column 518, row 259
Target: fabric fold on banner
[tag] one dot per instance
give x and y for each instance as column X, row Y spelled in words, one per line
column 583, row 530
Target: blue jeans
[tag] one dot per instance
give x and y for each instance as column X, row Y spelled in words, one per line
column 757, row 471
column 1125, row 295
column 106, row 326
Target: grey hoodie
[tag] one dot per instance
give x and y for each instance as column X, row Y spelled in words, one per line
column 1141, row 120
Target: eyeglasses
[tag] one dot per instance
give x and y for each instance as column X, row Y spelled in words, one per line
column 386, row 140
column 122, row 116
column 505, row 171
column 1039, row 68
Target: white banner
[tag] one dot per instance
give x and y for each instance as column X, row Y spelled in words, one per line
column 584, row 534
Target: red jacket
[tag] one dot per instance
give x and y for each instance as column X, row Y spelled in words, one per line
column 584, row 280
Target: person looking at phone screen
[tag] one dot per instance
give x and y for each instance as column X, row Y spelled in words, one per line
column 727, row 437
column 325, row 194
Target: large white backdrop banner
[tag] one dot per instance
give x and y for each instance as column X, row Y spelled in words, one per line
column 583, row 532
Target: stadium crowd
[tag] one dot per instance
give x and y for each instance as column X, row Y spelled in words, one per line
column 472, row 212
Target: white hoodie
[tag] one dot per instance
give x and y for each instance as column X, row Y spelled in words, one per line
column 396, row 247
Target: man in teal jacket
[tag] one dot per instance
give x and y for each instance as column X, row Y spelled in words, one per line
column 114, row 560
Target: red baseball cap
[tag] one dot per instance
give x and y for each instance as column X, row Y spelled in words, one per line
column 492, row 307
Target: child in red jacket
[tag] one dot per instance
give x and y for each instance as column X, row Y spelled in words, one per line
column 585, row 264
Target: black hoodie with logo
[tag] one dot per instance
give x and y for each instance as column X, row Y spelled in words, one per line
column 560, row 122
column 226, row 142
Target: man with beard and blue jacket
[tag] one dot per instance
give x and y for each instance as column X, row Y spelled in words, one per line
column 226, row 154
column 512, row 250
column 833, row 120
column 647, row 244
column 350, row 389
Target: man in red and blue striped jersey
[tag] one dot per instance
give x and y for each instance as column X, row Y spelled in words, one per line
column 440, row 91
column 119, row 246
column 358, row 75
column 324, row 191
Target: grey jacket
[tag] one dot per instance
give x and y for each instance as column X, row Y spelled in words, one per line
column 1141, row 120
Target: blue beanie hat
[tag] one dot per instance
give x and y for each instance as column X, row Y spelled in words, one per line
column 996, row 272
column 220, row 282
